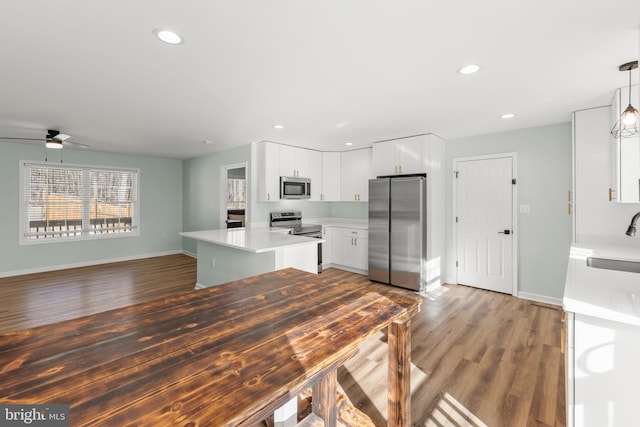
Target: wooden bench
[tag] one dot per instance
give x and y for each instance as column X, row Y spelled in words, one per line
column 223, row 356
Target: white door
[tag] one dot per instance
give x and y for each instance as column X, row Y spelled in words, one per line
column 484, row 227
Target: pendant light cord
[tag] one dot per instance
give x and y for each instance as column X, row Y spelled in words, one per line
column 630, row 86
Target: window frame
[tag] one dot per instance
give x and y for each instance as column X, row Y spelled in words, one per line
column 135, row 219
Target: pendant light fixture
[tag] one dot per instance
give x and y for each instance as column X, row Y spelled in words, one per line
column 628, row 124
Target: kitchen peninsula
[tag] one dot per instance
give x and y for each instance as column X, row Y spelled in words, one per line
column 225, row 255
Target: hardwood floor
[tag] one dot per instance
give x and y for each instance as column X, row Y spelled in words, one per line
column 37, row 299
column 479, row 358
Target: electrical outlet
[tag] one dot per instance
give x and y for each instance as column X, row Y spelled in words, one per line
column 525, row 209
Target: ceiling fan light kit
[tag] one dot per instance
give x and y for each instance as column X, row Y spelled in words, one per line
column 628, row 124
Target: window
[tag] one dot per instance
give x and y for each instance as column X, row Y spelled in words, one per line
column 76, row 202
column 236, row 193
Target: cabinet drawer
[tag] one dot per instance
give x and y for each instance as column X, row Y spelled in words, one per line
column 352, row 232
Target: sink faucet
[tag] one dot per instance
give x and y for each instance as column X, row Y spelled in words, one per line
column 631, row 231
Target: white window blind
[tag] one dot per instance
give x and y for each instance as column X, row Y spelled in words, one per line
column 76, row 201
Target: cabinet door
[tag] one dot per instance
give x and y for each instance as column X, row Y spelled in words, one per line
column 314, row 172
column 362, row 253
column 349, row 176
column 355, row 248
column 268, row 172
column 287, row 160
column 365, row 173
column 410, row 154
column 385, row 161
column 626, row 152
column 337, row 253
column 327, row 246
column 330, row 176
column 302, row 163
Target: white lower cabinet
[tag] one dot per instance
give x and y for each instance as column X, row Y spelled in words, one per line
column 350, row 249
column 602, row 372
column 327, row 246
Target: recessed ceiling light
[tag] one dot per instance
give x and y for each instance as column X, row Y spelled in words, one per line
column 168, row 36
column 469, row 69
column 343, row 124
column 348, row 144
column 207, row 142
column 507, row 116
column 278, row 126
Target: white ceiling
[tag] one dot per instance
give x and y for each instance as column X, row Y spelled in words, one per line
column 330, row 71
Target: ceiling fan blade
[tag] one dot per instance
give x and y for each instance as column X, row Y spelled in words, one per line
column 75, row 144
column 9, row 138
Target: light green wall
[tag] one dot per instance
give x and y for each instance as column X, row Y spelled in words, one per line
column 201, row 190
column 543, row 180
column 160, row 211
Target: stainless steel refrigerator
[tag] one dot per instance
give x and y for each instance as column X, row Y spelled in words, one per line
column 398, row 231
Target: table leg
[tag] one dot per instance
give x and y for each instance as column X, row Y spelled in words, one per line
column 399, row 378
column 324, row 398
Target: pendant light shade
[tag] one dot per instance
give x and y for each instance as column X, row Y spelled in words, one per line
column 628, row 124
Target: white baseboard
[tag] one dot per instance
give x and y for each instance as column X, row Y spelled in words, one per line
column 85, row 264
column 200, row 286
column 540, row 298
column 191, row 254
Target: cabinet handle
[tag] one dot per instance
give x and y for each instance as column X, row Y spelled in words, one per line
column 400, row 168
column 396, row 168
column 569, row 208
column 611, row 190
column 356, row 240
column 268, row 196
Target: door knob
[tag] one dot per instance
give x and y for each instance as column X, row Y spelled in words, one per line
column 504, row 232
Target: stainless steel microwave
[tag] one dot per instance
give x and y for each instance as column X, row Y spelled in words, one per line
column 295, row 188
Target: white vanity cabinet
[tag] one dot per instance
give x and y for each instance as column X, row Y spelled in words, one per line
column 356, row 170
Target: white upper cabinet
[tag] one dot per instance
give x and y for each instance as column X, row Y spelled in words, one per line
column 401, row 156
column 268, row 171
column 626, row 153
column 314, row 167
column 294, row 161
column 330, row 177
column 356, row 170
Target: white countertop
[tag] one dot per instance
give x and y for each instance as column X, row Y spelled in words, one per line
column 362, row 224
column 607, row 294
column 255, row 239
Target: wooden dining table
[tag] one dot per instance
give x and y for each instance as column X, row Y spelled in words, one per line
column 228, row 355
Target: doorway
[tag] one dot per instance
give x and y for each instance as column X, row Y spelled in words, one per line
column 233, row 195
column 485, row 230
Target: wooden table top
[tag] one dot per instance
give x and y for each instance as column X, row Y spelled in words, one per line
column 210, row 357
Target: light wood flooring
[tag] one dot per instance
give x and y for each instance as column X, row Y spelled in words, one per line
column 479, row 358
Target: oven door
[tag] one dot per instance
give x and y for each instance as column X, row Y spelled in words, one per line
column 295, row 188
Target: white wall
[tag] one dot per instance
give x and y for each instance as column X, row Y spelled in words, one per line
column 544, row 179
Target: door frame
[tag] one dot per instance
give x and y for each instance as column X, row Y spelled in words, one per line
column 514, row 211
column 222, row 200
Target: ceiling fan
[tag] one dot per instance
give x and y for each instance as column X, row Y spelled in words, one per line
column 53, row 139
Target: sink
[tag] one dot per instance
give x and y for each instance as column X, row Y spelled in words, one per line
column 614, row 264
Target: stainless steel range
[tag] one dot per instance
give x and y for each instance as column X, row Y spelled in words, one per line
column 293, row 221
